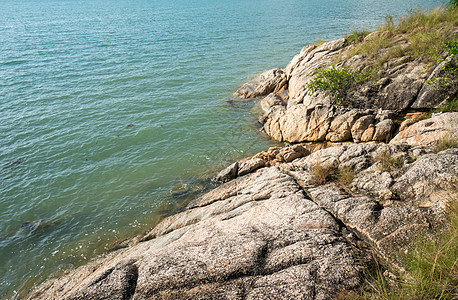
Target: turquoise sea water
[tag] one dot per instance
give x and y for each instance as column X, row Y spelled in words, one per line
column 112, row 112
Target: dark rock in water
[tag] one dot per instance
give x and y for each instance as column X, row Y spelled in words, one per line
column 29, row 226
column 228, row 173
column 13, row 163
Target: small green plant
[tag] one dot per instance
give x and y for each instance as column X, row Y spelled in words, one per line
column 449, row 106
column 446, row 142
column 388, row 162
column 338, row 83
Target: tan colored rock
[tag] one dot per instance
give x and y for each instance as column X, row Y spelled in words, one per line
column 340, row 129
column 270, row 102
column 368, row 134
column 360, row 126
column 429, row 131
column 264, row 84
column 250, row 166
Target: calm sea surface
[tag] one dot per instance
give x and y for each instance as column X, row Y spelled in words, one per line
column 112, row 113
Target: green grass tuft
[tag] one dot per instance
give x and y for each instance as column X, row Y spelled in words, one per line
column 388, row 162
column 424, row 32
column 446, row 142
column 431, row 265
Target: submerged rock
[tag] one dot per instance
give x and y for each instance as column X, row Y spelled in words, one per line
column 264, row 84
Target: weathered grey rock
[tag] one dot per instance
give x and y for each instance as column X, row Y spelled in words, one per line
column 264, row 84
column 383, row 131
column 389, row 229
column 429, row 131
column 400, row 93
column 374, row 182
column 228, row 173
column 267, row 241
column 426, row 180
column 432, row 94
column 250, row 166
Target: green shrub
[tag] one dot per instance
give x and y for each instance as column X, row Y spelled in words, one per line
column 449, row 106
column 338, row 83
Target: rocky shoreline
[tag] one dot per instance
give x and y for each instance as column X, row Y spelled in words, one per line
column 286, row 223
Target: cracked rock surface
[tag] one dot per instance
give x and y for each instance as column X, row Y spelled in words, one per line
column 272, row 234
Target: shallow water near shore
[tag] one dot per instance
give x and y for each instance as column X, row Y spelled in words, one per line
column 112, row 113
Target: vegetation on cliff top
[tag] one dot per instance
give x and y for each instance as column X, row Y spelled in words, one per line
column 427, row 37
column 418, row 35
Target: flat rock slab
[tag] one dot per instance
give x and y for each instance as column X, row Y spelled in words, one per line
column 272, row 234
column 266, row 241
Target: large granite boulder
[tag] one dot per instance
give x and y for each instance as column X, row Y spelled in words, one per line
column 429, row 131
column 313, row 117
column 262, row 85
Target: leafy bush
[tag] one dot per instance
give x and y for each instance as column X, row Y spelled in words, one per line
column 338, row 83
column 449, row 106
